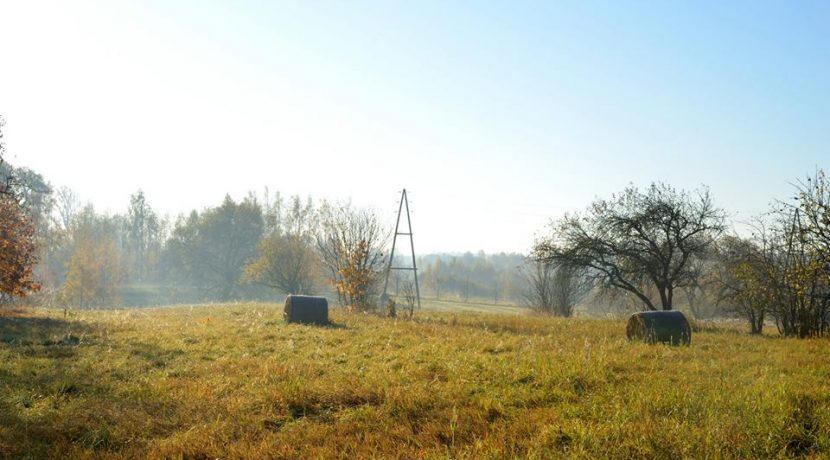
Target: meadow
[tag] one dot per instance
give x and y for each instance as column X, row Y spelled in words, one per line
column 236, row 381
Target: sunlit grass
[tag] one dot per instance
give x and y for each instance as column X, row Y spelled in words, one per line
column 236, row 381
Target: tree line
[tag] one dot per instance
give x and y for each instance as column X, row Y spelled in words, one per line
column 59, row 252
column 640, row 249
column 237, row 250
column 650, row 247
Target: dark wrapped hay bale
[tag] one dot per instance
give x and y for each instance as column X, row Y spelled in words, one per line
column 306, row 309
column 670, row 327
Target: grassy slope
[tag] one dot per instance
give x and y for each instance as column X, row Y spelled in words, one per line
column 235, row 381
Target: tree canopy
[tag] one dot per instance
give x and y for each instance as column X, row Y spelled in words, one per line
column 638, row 241
column 211, row 249
column 17, row 236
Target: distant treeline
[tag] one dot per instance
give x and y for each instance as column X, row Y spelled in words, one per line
column 468, row 277
column 235, row 250
column 642, row 249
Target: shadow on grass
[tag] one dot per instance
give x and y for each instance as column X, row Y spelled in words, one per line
column 507, row 324
column 21, row 331
column 328, row 325
column 57, row 392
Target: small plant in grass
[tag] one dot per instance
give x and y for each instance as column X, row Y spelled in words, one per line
column 391, row 308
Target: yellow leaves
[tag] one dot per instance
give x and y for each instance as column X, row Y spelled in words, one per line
column 93, row 271
column 355, row 279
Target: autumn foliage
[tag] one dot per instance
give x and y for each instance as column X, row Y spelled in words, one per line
column 357, row 277
column 17, row 250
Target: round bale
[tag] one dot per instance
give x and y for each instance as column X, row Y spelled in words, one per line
column 670, row 327
column 306, row 309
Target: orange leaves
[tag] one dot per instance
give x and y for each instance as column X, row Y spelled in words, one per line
column 355, row 279
column 17, row 250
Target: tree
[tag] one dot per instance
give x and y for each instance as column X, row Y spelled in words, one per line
column 286, row 263
column 210, row 250
column 813, row 204
column 67, row 205
column 93, row 272
column 17, row 236
column 286, row 260
column 554, row 289
column 784, row 271
column 143, row 236
column 813, row 219
column 17, row 251
column 539, row 278
column 357, row 278
column 32, row 193
column 350, row 243
column 741, row 275
column 636, row 240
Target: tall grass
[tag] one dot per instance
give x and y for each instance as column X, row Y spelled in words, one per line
column 236, row 381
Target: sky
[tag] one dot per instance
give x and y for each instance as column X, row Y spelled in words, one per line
column 495, row 116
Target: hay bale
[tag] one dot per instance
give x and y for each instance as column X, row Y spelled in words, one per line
column 306, row 309
column 670, row 327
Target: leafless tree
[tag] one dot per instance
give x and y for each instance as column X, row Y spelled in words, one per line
column 410, row 297
column 554, row 289
column 351, row 245
column 637, row 239
column 570, row 286
column 67, row 205
column 539, row 278
column 10, row 184
column 433, row 276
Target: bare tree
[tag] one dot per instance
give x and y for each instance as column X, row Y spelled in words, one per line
column 813, row 203
column 570, row 286
column 555, row 289
column 6, row 171
column 798, row 277
column 143, row 236
column 539, row 278
column 351, row 244
column 410, row 297
column 637, row 239
column 211, row 249
column 781, row 272
column 434, row 277
column 67, row 205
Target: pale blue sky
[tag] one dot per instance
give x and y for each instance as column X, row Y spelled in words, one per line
column 498, row 116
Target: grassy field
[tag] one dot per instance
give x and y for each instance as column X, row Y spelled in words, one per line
column 453, row 306
column 235, row 381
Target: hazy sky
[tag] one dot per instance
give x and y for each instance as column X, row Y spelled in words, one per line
column 497, row 117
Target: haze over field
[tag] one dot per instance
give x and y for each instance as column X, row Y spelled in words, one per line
column 497, row 117
column 621, row 220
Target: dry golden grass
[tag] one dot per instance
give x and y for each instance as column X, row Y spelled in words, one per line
column 235, row 381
